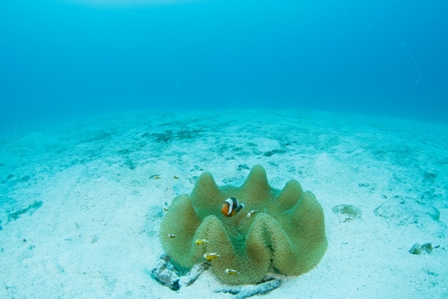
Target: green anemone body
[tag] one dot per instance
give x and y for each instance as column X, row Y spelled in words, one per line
column 286, row 235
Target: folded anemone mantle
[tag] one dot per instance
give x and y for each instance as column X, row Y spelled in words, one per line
column 286, row 235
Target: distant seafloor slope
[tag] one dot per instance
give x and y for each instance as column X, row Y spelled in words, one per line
column 62, row 59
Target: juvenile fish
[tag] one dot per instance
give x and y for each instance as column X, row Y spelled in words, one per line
column 231, row 271
column 211, row 256
column 201, row 241
column 251, row 213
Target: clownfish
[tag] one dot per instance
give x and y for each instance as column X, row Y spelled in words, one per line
column 231, row 206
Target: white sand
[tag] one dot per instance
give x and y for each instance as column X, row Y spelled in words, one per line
column 95, row 235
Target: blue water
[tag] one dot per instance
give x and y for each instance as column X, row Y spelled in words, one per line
column 60, row 59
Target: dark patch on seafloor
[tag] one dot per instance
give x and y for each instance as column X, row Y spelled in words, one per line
column 169, row 135
column 31, row 208
column 273, row 152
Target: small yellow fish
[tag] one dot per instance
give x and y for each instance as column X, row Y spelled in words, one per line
column 251, row 213
column 171, row 236
column 231, row 271
column 201, row 241
column 212, row 255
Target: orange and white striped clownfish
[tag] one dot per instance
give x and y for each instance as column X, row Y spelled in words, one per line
column 231, row 206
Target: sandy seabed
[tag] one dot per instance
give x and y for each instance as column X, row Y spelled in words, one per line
column 81, row 203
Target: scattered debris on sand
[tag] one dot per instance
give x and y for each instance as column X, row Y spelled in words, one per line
column 166, row 274
column 244, row 291
column 346, row 213
column 419, row 249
